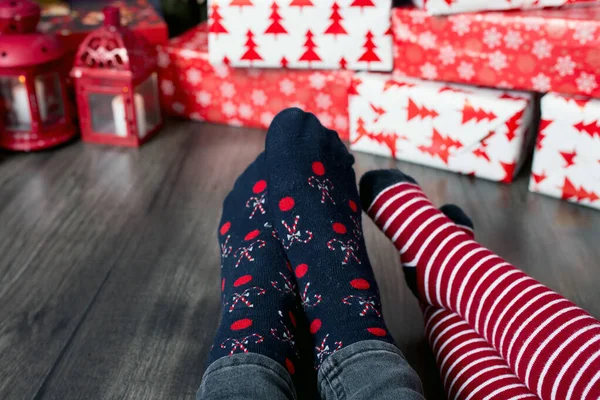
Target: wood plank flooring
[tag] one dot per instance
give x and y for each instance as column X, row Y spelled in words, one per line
column 109, row 260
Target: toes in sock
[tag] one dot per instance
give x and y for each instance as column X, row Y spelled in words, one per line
column 258, row 289
column 399, row 207
column 318, row 221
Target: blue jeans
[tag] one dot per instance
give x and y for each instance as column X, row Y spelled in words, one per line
column 369, row 370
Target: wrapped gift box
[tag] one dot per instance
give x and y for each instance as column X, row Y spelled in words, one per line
column 313, row 34
column 540, row 50
column 566, row 163
column 437, row 7
column 191, row 87
column 473, row 131
column 138, row 15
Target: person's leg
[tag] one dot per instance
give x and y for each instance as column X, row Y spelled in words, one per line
column 552, row 345
column 470, row 368
column 318, row 221
column 254, row 354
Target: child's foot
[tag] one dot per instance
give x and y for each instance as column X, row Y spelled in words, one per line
column 549, row 343
column 259, row 294
column 317, row 217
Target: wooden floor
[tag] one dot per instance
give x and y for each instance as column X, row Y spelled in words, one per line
column 109, row 260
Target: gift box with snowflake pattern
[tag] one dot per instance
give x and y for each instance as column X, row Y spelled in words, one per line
column 437, row 7
column 469, row 130
column 307, row 34
column 191, row 87
column 566, row 162
column 552, row 50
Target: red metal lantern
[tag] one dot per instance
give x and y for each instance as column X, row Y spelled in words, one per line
column 35, row 112
column 116, row 85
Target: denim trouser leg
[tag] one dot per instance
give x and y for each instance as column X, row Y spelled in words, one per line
column 369, row 370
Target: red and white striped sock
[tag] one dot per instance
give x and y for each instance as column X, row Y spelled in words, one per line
column 470, row 368
column 552, row 345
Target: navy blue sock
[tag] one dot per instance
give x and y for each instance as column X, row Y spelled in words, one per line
column 317, row 217
column 260, row 305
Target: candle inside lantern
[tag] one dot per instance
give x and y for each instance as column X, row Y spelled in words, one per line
column 20, row 102
column 20, row 105
column 119, row 114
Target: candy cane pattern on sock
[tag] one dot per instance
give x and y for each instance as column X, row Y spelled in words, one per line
column 293, row 234
column 348, row 247
column 368, row 304
column 241, row 344
column 246, row 251
column 257, row 204
column 288, row 287
column 552, row 345
column 285, row 335
column 226, row 250
column 244, row 297
column 305, row 297
column 325, row 186
column 323, row 350
column 357, row 229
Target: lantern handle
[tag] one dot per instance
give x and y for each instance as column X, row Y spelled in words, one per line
column 112, row 16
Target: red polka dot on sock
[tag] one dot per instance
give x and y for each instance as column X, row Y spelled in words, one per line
column 289, row 366
column 360, row 284
column 251, row 235
column 223, row 285
column 301, row 270
column 352, row 205
column 286, row 204
column 242, row 280
column 292, row 318
column 318, row 168
column 339, row 228
column 377, row 332
column 315, row 326
column 241, row 324
column 225, row 228
column 259, row 186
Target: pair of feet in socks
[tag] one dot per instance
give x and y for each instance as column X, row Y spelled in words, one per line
column 292, row 249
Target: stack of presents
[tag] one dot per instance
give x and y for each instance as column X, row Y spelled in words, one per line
column 453, row 84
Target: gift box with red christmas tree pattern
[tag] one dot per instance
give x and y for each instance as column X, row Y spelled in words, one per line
column 437, row 7
column 546, row 50
column 469, row 130
column 566, row 161
column 193, row 88
column 307, row 34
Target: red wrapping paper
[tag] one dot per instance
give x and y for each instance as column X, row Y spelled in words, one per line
column 138, row 15
column 191, row 87
column 540, row 50
column 440, row 7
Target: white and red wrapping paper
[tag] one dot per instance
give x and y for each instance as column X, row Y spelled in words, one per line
column 437, row 7
column 550, row 50
column 566, row 162
column 191, row 87
column 472, row 131
column 308, row 34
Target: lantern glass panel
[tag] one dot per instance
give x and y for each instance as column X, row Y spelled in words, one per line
column 49, row 98
column 16, row 103
column 107, row 114
column 147, row 106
